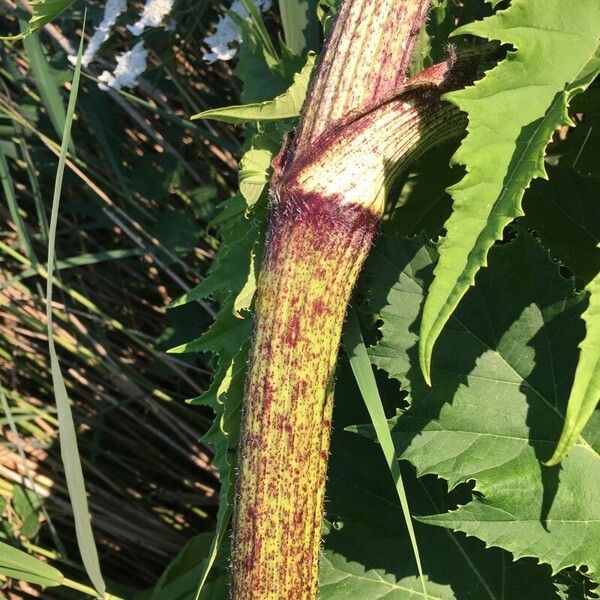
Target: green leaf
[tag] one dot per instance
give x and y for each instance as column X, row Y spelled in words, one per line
column 25, row 501
column 581, row 148
column 300, row 26
column 255, row 166
column 176, row 232
column 31, row 526
column 586, row 388
column 564, row 211
column 503, row 371
column 225, row 336
column 513, row 112
column 225, row 397
column 573, row 585
column 230, row 282
column 243, row 301
column 326, row 11
column 262, row 35
column 180, row 579
column 367, row 553
column 423, row 203
column 21, row 566
column 44, row 11
column 255, row 65
column 225, row 279
column 285, row 106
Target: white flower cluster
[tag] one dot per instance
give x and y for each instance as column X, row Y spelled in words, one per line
column 153, row 14
column 111, row 12
column 130, row 65
column 228, row 33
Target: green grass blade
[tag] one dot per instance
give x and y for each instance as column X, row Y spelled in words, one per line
column 261, row 30
column 300, row 26
column 586, row 387
column 9, row 192
column 44, row 80
column 21, row 566
column 363, row 372
column 99, row 115
column 36, row 191
column 68, row 437
column 80, row 260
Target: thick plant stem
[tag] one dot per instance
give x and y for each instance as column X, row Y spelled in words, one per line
column 314, row 254
column 317, row 242
column 328, row 194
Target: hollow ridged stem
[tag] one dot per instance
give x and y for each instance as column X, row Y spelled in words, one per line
column 363, row 62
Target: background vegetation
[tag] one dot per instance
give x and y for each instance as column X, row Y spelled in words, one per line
column 142, row 185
